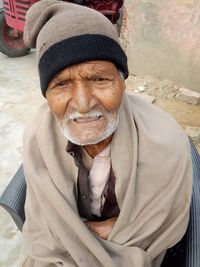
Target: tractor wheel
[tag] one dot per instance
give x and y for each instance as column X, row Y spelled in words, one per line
column 11, row 41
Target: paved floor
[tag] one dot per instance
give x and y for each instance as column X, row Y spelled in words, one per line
column 19, row 98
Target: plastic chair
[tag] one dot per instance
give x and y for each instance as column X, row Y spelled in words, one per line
column 13, row 198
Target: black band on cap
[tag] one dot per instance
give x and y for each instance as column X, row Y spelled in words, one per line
column 80, row 49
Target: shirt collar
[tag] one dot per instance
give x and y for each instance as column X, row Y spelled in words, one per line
column 72, row 148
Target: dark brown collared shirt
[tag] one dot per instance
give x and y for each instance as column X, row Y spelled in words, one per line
column 110, row 208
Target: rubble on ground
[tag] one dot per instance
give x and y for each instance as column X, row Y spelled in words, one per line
column 182, row 103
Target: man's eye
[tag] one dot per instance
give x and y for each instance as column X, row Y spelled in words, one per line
column 98, row 79
column 62, row 83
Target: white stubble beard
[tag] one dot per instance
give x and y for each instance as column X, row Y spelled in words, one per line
column 112, row 123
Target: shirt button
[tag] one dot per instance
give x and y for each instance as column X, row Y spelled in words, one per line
column 84, row 196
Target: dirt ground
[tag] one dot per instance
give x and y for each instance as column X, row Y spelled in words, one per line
column 164, row 92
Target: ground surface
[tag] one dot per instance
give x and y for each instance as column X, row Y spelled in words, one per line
column 164, row 92
column 19, row 98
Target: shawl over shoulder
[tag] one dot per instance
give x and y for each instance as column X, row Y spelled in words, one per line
column 151, row 160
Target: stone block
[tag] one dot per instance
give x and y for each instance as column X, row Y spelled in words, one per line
column 188, row 96
column 193, row 133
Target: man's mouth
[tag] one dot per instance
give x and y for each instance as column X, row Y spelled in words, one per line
column 86, row 119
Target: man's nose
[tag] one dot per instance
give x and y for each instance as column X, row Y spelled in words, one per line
column 83, row 99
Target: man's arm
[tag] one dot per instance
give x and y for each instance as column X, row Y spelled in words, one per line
column 42, row 249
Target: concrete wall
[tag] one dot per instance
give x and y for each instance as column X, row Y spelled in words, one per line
column 162, row 38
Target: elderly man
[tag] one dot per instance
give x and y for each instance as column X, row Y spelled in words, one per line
column 108, row 175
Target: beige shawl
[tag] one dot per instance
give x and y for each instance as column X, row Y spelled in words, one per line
column 151, row 161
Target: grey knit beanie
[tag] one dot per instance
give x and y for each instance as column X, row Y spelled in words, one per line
column 65, row 34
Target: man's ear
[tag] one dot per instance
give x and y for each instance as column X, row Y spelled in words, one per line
column 124, row 85
column 122, row 80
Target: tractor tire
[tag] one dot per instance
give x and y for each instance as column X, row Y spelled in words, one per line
column 11, row 41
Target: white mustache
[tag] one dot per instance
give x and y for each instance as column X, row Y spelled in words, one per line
column 90, row 114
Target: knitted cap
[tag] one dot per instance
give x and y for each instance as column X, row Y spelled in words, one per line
column 65, row 34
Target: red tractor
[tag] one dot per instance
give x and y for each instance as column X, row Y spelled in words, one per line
column 12, row 20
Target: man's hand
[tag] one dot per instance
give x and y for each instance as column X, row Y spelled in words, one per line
column 102, row 229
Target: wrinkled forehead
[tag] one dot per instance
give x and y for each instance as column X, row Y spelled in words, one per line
column 93, row 67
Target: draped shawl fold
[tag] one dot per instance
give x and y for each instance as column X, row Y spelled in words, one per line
column 151, row 160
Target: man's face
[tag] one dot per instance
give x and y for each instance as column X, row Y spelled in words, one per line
column 86, row 98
